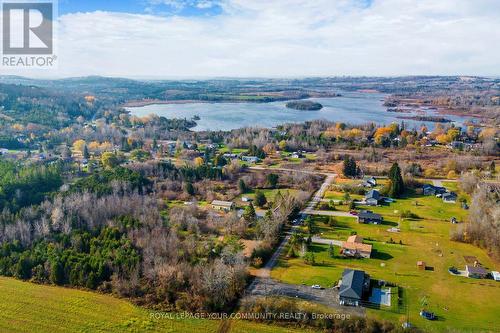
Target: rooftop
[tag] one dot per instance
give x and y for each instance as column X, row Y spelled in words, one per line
column 357, row 246
column 369, row 215
column 476, row 270
column 352, row 284
column 355, row 239
column 222, row 203
column 373, row 194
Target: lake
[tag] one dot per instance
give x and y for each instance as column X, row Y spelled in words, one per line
column 352, row 107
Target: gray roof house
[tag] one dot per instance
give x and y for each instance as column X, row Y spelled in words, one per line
column 372, row 197
column 366, row 216
column 450, row 197
column 369, row 182
column 429, row 189
column 354, row 285
column 476, row 272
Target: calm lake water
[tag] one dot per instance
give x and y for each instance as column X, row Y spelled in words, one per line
column 352, row 107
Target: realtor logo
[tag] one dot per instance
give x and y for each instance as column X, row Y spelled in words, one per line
column 28, row 33
column 27, row 28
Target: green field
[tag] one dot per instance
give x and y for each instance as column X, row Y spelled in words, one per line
column 460, row 303
column 28, row 307
column 426, row 207
column 269, row 193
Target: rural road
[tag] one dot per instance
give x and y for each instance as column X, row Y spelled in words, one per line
column 265, row 272
column 318, row 196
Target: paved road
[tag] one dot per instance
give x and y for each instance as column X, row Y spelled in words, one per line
column 437, row 182
column 263, row 285
column 265, row 272
column 318, row 196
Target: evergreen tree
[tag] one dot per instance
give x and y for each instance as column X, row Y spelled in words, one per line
column 272, row 180
column 57, row 273
column 260, row 199
column 396, row 186
column 249, row 213
column 86, row 154
column 350, row 168
column 189, row 188
column 331, row 251
column 242, row 187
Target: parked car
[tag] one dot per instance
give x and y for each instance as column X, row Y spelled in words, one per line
column 427, row 315
column 353, row 212
column 316, row 286
column 453, row 270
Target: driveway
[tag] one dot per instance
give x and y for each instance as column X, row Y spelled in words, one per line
column 328, row 296
column 325, row 241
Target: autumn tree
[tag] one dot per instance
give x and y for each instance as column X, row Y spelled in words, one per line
column 109, row 160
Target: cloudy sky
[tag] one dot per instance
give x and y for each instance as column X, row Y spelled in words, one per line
column 276, row 38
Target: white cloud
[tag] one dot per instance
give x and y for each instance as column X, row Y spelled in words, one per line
column 288, row 38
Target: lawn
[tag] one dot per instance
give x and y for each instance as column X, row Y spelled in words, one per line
column 336, row 195
column 427, row 207
column 269, row 193
column 451, row 298
column 28, row 307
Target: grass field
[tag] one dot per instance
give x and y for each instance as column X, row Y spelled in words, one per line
column 426, row 207
column 460, row 303
column 269, row 193
column 28, row 307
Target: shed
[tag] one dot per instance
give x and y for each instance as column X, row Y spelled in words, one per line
column 421, row 265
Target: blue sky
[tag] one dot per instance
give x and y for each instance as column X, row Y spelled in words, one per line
column 157, row 7
column 276, row 38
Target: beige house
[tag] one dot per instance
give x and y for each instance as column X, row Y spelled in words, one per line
column 354, row 247
column 223, row 205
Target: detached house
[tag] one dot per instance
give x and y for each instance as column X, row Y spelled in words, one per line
column 354, row 285
column 450, row 197
column 366, row 216
column 476, row 272
column 354, row 247
column 223, row 205
column 369, row 182
column 372, row 198
column 429, row 189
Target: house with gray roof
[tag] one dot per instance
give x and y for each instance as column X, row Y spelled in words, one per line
column 354, row 285
column 372, row 198
column 367, row 216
